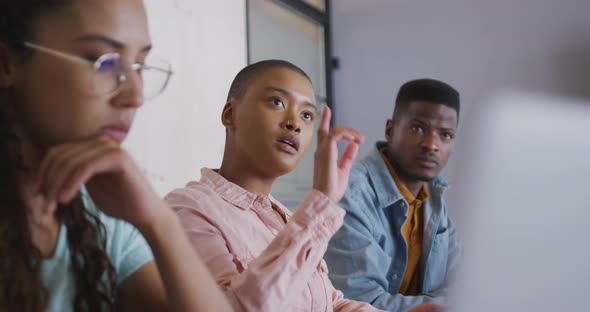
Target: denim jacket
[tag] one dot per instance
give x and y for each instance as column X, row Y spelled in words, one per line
column 367, row 256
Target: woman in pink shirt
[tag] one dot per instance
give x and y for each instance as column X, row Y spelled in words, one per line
column 265, row 258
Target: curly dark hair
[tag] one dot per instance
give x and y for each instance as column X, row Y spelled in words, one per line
column 21, row 287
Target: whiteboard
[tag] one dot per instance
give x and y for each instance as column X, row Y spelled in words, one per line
column 179, row 132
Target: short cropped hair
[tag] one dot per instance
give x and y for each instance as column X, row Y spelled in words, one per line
column 244, row 78
column 428, row 90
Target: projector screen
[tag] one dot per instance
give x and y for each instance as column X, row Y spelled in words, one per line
column 180, row 131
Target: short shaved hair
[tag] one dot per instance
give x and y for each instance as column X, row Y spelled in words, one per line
column 244, row 78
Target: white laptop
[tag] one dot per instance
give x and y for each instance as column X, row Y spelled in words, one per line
column 527, row 245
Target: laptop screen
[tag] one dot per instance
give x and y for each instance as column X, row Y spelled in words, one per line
column 527, row 240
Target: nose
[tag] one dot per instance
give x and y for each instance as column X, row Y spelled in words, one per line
column 291, row 124
column 130, row 93
column 431, row 142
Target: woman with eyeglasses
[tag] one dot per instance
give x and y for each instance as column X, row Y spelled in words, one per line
column 81, row 229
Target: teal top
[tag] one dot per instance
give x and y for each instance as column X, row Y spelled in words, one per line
column 125, row 246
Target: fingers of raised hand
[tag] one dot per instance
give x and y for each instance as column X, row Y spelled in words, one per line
column 324, row 128
column 348, row 156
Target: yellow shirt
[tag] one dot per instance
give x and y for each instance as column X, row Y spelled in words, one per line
column 412, row 230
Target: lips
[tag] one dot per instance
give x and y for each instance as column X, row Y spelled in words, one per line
column 427, row 162
column 117, row 132
column 288, row 144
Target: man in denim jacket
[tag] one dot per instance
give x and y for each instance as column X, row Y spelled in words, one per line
column 398, row 244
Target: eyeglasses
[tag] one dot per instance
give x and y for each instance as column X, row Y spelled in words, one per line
column 111, row 72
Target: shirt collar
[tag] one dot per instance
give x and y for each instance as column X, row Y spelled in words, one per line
column 234, row 193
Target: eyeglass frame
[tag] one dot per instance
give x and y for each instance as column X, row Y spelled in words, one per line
column 122, row 75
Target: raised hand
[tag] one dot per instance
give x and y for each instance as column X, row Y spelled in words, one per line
column 330, row 174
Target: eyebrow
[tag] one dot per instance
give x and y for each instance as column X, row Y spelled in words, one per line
column 289, row 94
column 417, row 120
column 108, row 41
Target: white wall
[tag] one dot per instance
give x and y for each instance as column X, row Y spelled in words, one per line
column 477, row 46
column 179, row 132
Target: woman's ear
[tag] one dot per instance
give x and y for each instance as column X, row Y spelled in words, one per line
column 7, row 66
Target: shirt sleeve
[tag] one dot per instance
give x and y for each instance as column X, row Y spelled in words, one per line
column 126, row 247
column 358, row 265
column 129, row 250
column 285, row 266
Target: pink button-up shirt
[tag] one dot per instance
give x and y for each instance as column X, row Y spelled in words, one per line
column 262, row 264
